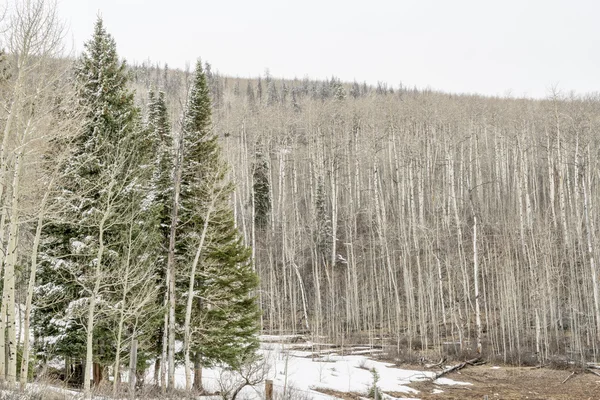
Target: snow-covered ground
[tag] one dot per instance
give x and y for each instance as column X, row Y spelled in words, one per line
column 297, row 373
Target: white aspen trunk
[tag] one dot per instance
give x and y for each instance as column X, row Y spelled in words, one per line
column 89, row 356
column 13, row 113
column 281, row 210
column 12, row 116
column 561, row 191
column 188, row 309
column 165, row 337
column 171, row 272
column 441, row 289
column 518, row 157
column 551, row 179
column 476, row 281
column 253, row 227
column 9, row 276
column 576, row 201
column 30, row 287
column 334, row 213
column 334, row 317
column 303, row 294
column 117, row 365
column 132, row 368
column 497, row 161
column 3, row 339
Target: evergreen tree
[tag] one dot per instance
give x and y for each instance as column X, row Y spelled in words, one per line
column 324, row 230
column 159, row 130
column 259, row 90
column 261, row 191
column 325, row 90
column 161, row 197
column 103, row 183
column 250, row 93
column 225, row 313
column 284, row 92
column 355, row 90
column 295, row 104
column 4, row 66
column 339, row 93
column 272, row 93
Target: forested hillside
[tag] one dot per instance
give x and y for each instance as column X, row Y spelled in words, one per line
column 157, row 217
column 415, row 218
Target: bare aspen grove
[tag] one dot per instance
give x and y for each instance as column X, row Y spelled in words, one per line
column 425, row 222
column 155, row 219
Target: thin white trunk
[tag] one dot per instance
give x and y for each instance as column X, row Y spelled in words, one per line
column 12, row 116
column 191, row 289
column 9, row 276
column 476, row 281
column 165, row 337
column 89, row 355
column 117, row 365
column 30, row 287
column 171, row 273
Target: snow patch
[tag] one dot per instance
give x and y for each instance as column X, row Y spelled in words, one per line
column 450, row 382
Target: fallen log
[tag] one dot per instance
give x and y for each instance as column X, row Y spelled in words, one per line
column 438, row 364
column 475, row 361
column 568, row 377
column 591, row 371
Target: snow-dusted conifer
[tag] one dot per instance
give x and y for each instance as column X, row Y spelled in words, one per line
column 223, row 310
column 161, row 198
column 103, row 183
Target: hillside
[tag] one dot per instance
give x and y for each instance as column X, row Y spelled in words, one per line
column 365, row 200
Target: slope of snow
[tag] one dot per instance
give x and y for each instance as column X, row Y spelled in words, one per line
column 299, row 372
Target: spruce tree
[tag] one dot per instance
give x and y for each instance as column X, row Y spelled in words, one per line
column 259, row 90
column 161, row 193
column 225, row 313
column 272, row 93
column 323, row 223
column 103, row 183
column 261, row 191
column 161, row 139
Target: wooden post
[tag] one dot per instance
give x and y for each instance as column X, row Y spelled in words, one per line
column 132, row 368
column 269, row 389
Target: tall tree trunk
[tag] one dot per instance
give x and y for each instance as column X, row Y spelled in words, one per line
column 12, row 116
column 171, row 270
column 476, row 281
column 198, row 375
column 117, row 365
column 32, row 274
column 165, row 336
column 190, row 298
column 9, row 276
column 89, row 355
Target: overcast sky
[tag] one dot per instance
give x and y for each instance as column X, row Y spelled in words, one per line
column 522, row 47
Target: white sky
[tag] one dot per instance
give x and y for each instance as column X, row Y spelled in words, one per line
column 495, row 47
